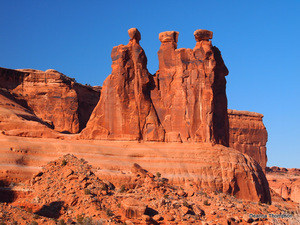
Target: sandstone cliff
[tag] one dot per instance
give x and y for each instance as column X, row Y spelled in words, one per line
column 189, row 94
column 185, row 101
column 248, row 134
column 53, row 97
column 125, row 110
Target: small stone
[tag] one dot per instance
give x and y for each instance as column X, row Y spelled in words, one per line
column 169, row 217
column 157, row 217
column 185, row 209
column 247, row 218
column 181, row 193
column 67, row 173
column 146, row 218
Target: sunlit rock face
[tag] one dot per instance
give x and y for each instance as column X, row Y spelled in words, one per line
column 248, row 134
column 185, row 101
column 189, row 94
column 54, row 98
column 125, row 110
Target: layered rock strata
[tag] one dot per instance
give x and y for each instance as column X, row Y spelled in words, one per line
column 125, row 110
column 189, row 94
column 53, row 97
column 248, row 134
column 209, row 168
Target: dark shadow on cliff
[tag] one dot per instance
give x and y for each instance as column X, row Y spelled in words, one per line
column 6, row 193
column 52, row 210
column 88, row 98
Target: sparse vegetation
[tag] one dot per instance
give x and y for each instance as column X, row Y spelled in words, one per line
column 158, row 174
column 87, row 191
column 61, row 222
column 36, row 216
column 122, row 188
column 109, row 212
column 104, row 187
column 186, row 204
column 63, row 162
column 205, row 202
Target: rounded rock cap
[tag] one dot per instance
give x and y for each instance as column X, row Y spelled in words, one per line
column 134, row 34
column 168, row 36
column 201, row 35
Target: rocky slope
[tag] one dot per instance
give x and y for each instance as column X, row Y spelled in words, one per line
column 67, row 190
column 285, row 182
column 248, row 134
column 212, row 168
column 53, row 97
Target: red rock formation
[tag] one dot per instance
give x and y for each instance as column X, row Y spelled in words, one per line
column 125, row 110
column 285, row 182
column 248, row 134
column 16, row 120
column 209, row 168
column 51, row 96
column 189, row 94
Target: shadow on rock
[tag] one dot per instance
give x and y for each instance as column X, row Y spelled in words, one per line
column 6, row 193
column 52, row 210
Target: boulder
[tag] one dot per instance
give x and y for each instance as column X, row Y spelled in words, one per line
column 133, row 208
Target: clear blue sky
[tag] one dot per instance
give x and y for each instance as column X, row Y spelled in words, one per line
column 259, row 41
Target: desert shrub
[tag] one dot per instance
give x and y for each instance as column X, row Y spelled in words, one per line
column 166, row 196
column 79, row 219
column 186, row 204
column 87, row 221
column 34, row 223
column 104, row 187
column 87, row 191
column 109, row 212
column 122, row 189
column 63, row 162
column 158, row 174
column 205, row 202
column 36, row 216
column 61, row 222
